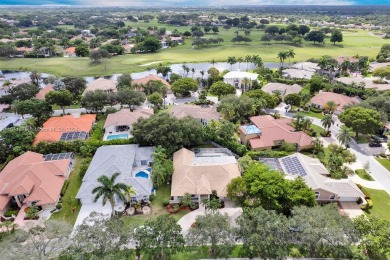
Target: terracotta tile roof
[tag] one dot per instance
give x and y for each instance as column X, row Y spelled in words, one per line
column 54, row 127
column 41, row 94
column 207, row 113
column 30, row 175
column 146, row 79
column 102, row 84
column 126, row 117
column 70, row 50
column 339, row 99
column 273, row 130
column 201, row 177
column 342, row 59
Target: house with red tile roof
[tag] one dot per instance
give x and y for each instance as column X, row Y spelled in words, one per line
column 42, row 93
column 70, row 52
column 145, row 80
column 319, row 100
column 33, row 178
column 266, row 133
column 66, row 128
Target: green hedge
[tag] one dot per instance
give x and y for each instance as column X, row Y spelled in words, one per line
column 11, row 212
column 66, row 184
column 315, row 110
column 267, row 154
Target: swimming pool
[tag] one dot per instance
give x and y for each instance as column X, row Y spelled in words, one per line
column 118, row 136
column 142, row 174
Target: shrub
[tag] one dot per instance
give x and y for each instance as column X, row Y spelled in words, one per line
column 315, row 110
column 367, row 206
column 110, row 110
column 359, row 201
column 66, row 184
column 152, row 197
column 267, row 154
column 165, row 202
column 59, row 206
column 11, row 212
column 176, row 207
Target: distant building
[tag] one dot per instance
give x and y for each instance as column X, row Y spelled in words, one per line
column 236, row 78
column 70, row 52
column 120, row 123
column 203, row 114
column 316, row 177
column 266, row 133
column 66, row 128
column 319, row 101
column 282, row 89
column 106, row 85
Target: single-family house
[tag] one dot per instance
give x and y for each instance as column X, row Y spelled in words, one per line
column 282, row 89
column 107, row 85
column 301, row 70
column 9, row 121
column 130, row 161
column 145, row 80
column 316, row 177
column 319, row 101
column 70, row 52
column 118, row 125
column 236, row 78
column 205, row 114
column 342, row 59
column 66, row 128
column 33, row 178
column 202, row 171
column 42, row 93
column 266, row 133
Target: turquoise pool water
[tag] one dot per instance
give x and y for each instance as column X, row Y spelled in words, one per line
column 118, row 136
column 142, row 174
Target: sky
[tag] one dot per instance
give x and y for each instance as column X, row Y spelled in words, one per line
column 192, row 2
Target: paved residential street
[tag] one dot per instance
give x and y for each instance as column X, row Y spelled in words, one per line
column 363, row 153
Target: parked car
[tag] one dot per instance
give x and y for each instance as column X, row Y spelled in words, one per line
column 375, row 144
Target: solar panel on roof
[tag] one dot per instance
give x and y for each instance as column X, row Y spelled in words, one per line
column 293, row 166
column 71, row 136
column 57, row 156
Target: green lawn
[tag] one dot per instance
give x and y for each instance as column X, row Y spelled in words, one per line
column 162, row 194
column 381, row 203
column 355, row 42
column 317, row 129
column 364, row 175
column 69, row 212
column 314, row 114
column 385, row 163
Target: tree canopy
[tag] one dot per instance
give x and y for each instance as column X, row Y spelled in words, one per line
column 220, row 88
column 184, row 87
column 361, row 120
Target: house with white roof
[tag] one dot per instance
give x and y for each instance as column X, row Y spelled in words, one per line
column 236, row 78
column 315, row 175
column 130, row 161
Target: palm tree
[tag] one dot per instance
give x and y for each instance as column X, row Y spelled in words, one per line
column 306, row 123
column 248, row 58
column 129, row 190
column 109, row 189
column 193, row 72
column 298, row 117
column 185, row 69
column 344, row 136
column 317, row 145
column 35, row 77
column 227, row 112
column 202, row 73
column 290, row 54
column 232, row 60
column 245, row 83
column 213, row 61
column 282, row 55
column 239, row 61
column 327, row 121
column 257, row 60
column 330, row 106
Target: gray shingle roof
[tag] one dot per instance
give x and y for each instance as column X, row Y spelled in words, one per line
column 118, row 158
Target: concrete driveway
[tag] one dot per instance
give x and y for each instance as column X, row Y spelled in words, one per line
column 350, row 209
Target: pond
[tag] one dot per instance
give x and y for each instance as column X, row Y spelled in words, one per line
column 176, row 68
